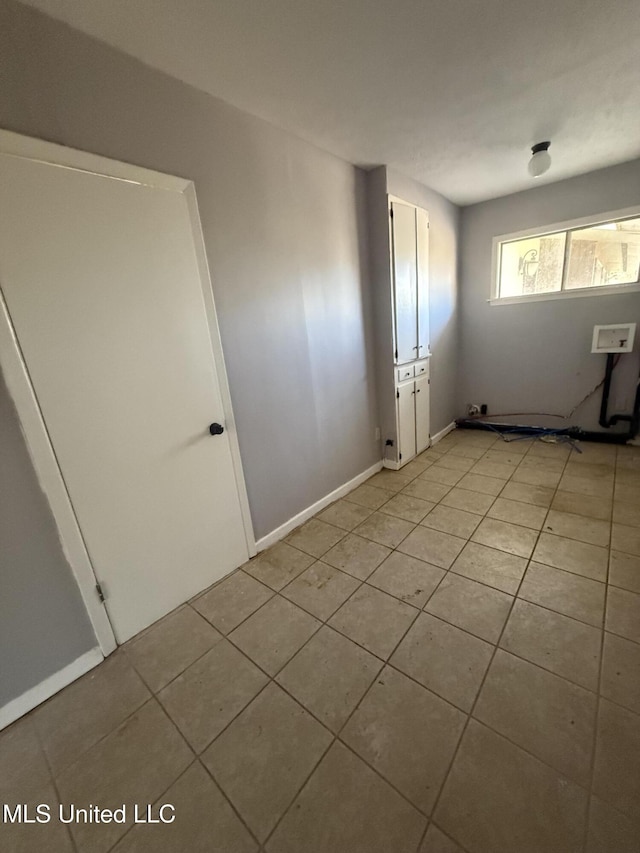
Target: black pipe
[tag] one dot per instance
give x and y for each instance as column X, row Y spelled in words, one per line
column 605, row 391
column 635, row 422
column 633, row 419
column 576, row 432
column 614, row 419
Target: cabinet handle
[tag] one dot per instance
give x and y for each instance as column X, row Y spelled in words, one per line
column 418, row 391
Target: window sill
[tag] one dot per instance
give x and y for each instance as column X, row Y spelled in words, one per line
column 605, row 290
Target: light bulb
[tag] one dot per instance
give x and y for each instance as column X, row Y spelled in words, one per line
column 540, row 160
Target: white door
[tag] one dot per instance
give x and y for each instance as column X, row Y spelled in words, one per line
column 422, row 413
column 109, row 299
column 406, row 422
column 405, row 281
column 422, row 229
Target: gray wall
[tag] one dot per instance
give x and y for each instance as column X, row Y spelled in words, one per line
column 536, row 357
column 43, row 623
column 281, row 220
column 282, row 224
column 444, row 220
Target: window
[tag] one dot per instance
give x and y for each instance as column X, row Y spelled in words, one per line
column 576, row 261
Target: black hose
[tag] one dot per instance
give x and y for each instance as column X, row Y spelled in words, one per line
column 633, row 419
column 603, row 421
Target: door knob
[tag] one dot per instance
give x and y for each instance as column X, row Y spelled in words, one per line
column 216, row 429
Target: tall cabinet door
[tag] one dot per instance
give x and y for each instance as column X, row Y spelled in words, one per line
column 422, row 239
column 422, row 413
column 406, row 421
column 404, row 246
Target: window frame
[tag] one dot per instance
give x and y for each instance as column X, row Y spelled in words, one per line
column 545, row 231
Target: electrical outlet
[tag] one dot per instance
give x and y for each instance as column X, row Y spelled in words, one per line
column 377, row 433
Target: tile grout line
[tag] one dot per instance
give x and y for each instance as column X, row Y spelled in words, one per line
column 197, row 759
column 53, row 778
column 159, row 797
column 106, row 734
column 395, row 669
column 488, row 668
column 389, row 663
column 270, row 599
column 466, row 541
column 175, row 677
column 596, row 720
column 324, row 622
column 336, row 735
column 467, row 714
column 154, row 697
column 384, row 662
column 515, row 597
column 272, row 679
column 198, row 756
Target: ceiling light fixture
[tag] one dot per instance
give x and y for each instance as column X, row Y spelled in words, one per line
column 540, row 160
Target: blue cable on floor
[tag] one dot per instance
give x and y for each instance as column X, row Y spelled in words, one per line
column 540, row 432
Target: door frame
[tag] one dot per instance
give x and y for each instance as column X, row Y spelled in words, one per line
column 25, row 400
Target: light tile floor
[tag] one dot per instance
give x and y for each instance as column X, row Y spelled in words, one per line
column 446, row 660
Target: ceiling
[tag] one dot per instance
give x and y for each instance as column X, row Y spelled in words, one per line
column 450, row 92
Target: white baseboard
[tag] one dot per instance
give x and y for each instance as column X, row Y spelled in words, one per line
column 280, row 532
column 440, row 435
column 24, row 703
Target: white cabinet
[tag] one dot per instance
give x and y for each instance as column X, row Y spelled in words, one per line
column 399, row 254
column 407, row 371
column 412, row 414
column 406, row 397
column 422, row 275
column 409, row 237
column 422, row 413
column 404, row 250
column 407, row 433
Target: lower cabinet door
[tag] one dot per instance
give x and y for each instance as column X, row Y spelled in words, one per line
column 422, row 388
column 406, row 422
